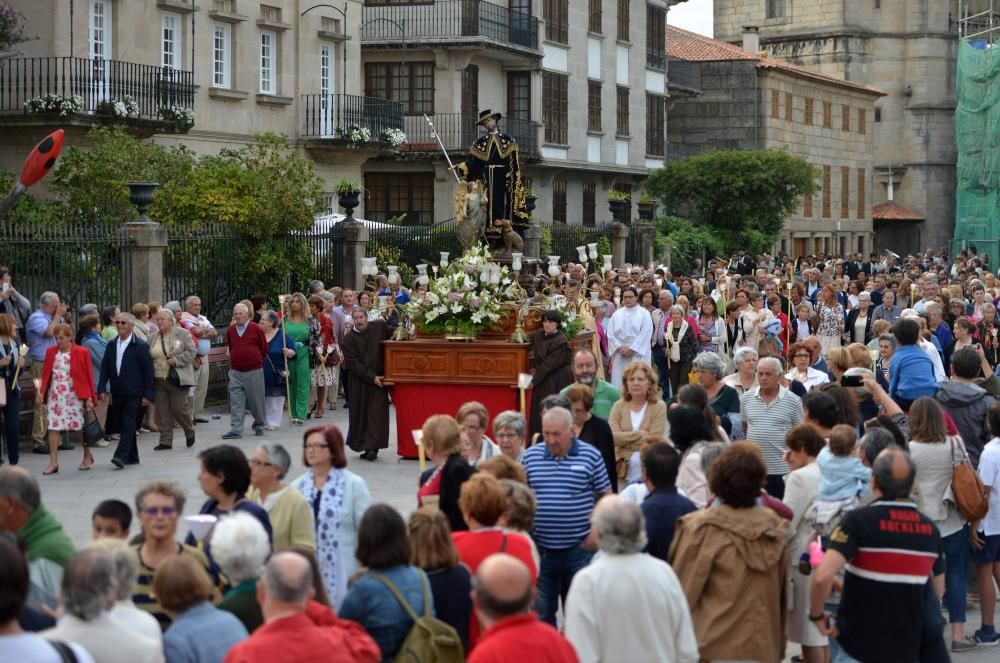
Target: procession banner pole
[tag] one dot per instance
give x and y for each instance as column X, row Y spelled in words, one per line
column 451, row 166
column 284, row 343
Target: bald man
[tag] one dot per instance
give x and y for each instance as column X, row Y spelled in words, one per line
column 297, row 629
column 893, row 551
column 502, row 599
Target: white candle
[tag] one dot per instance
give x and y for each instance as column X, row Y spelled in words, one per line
column 516, row 261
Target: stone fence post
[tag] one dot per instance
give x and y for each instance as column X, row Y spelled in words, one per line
column 646, row 238
column 532, row 241
column 352, row 251
column 619, row 234
column 148, row 241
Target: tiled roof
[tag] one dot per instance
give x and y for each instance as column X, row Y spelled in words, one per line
column 890, row 211
column 685, row 45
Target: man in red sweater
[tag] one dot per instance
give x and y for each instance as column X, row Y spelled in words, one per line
column 247, row 350
column 297, row 629
column 512, row 632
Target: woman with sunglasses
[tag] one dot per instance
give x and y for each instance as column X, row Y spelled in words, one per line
column 159, row 505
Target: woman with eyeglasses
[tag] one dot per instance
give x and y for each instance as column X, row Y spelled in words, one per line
column 291, row 516
column 159, row 505
column 802, row 369
column 338, row 499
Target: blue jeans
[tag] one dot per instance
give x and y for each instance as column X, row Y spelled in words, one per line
column 557, row 570
column 838, row 655
column 956, row 555
column 11, row 425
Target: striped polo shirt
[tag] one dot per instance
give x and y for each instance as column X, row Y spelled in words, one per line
column 566, row 489
column 767, row 424
column 143, row 595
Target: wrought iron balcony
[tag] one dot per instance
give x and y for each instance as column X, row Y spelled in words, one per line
column 334, row 115
column 684, row 74
column 458, row 131
column 451, row 22
column 91, row 86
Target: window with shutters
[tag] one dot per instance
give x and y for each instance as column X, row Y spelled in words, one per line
column 656, row 125
column 621, row 111
column 555, row 107
column 789, row 99
column 588, row 214
column 862, row 121
column 845, row 192
column 593, row 106
column 807, row 206
column 519, row 95
column 390, row 195
column 827, row 178
column 656, row 37
column 774, row 9
column 556, row 15
column 775, row 105
column 594, row 16
column 827, row 114
column 623, row 20
column 411, row 84
column 861, row 193
column 808, row 114
column 845, row 118
column 559, row 200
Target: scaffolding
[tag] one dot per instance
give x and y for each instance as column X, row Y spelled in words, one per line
column 979, row 20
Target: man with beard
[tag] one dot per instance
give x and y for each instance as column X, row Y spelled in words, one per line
column 585, row 373
column 369, row 410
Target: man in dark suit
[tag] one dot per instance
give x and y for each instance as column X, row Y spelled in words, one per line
column 127, row 374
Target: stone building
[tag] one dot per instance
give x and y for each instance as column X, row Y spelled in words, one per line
column 582, row 86
column 751, row 101
column 906, row 49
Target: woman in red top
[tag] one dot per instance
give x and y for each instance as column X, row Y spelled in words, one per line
column 67, row 388
column 324, row 375
column 483, row 500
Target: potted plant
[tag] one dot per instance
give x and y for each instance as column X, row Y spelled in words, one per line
column 348, row 192
column 529, row 199
column 647, row 207
column 183, row 118
column 617, row 200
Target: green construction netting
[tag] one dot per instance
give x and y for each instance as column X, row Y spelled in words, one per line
column 977, row 124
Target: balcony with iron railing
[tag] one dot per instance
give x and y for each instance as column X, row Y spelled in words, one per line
column 94, row 90
column 458, row 131
column 451, row 22
column 684, row 75
column 342, row 117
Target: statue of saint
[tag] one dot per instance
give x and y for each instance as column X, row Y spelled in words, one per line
column 493, row 162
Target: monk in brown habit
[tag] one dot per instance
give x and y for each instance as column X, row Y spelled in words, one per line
column 369, row 411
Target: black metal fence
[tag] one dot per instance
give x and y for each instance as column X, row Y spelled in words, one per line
column 566, row 237
column 330, row 115
column 447, row 20
column 81, row 263
column 201, row 261
column 459, row 130
column 413, row 245
column 94, row 81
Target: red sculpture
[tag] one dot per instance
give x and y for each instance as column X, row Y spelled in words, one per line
column 35, row 167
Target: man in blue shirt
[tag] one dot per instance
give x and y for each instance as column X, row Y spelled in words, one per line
column 39, row 336
column 911, row 372
column 663, row 506
column 568, row 477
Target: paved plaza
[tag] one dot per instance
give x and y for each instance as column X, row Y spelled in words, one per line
column 72, row 495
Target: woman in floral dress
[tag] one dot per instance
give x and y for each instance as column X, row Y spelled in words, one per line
column 831, row 320
column 326, row 356
column 67, row 388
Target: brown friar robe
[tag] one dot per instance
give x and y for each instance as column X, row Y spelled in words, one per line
column 553, row 359
column 369, row 410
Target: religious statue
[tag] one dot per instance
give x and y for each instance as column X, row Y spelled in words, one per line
column 493, row 162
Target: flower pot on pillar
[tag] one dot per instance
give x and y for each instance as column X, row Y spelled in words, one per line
column 140, row 194
column 617, row 208
column 646, row 210
column 529, row 203
column 349, row 200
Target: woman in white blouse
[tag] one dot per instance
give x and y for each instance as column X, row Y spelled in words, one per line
column 802, row 369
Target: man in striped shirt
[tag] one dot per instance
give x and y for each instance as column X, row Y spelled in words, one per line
column 568, row 477
column 769, row 411
column 891, row 552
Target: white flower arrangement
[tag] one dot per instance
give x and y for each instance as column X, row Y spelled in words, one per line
column 572, row 323
column 123, row 108
column 466, row 296
column 355, row 134
column 54, row 103
column 183, row 118
column 394, row 137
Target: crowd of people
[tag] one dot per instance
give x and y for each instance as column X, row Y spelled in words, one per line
column 771, row 451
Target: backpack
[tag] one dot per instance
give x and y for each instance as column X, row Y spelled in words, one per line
column 430, row 640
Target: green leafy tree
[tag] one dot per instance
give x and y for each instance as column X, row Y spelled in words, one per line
column 687, row 241
column 741, row 197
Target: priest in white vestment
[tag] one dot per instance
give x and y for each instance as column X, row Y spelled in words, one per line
column 630, row 335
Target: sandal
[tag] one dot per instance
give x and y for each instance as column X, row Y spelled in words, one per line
column 51, row 469
column 85, row 465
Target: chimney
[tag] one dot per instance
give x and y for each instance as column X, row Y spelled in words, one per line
column 751, row 39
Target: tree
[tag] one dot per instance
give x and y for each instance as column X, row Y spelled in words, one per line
column 741, row 197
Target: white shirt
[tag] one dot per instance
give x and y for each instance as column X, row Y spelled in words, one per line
column 629, row 608
column 629, row 327
column 637, row 417
column 935, row 356
column 120, row 346
column 32, row 648
column 989, row 472
column 129, row 617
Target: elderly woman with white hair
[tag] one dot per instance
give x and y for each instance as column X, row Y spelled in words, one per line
column 290, row 514
column 680, row 346
column 723, row 399
column 124, row 612
column 603, row 618
column 240, row 547
column 509, row 429
column 745, row 377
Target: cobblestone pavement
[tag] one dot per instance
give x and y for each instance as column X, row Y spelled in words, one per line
column 72, row 495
